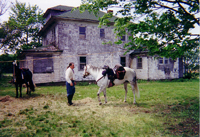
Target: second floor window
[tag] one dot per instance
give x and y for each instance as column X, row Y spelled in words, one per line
column 82, row 32
column 102, row 33
column 123, row 38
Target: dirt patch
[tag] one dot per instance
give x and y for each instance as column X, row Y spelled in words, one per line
column 10, row 106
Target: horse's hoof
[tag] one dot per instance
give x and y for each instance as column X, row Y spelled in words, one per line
column 124, row 101
column 100, row 103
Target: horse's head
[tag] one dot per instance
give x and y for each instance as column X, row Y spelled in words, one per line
column 85, row 72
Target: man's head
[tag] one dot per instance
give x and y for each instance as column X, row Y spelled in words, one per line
column 71, row 65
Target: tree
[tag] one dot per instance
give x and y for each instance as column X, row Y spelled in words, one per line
column 22, row 27
column 191, row 62
column 163, row 29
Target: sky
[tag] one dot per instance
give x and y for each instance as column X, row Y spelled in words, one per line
column 43, row 5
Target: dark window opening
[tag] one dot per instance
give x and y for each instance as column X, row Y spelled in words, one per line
column 82, row 63
column 123, row 38
column 102, row 33
column 139, row 63
column 82, row 34
column 123, row 61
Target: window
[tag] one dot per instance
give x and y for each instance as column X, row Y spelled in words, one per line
column 82, row 34
column 123, row 38
column 163, row 61
column 102, row 33
column 123, row 61
column 139, row 63
column 43, row 64
column 82, row 63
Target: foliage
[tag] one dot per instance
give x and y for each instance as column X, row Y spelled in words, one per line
column 20, row 31
column 191, row 60
column 163, row 29
column 6, row 63
column 163, row 109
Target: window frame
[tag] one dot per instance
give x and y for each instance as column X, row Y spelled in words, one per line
column 102, row 34
column 139, row 63
column 123, row 63
column 163, row 61
column 82, row 64
column 82, row 34
column 45, row 62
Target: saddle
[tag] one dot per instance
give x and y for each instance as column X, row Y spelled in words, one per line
column 119, row 72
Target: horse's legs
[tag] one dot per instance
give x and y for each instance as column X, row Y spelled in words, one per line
column 125, row 87
column 28, row 91
column 98, row 93
column 133, row 89
column 104, row 92
column 16, row 86
column 20, row 89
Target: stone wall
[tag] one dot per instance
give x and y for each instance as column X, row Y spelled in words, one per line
column 152, row 70
column 67, row 39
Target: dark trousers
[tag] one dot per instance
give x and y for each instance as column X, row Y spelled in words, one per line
column 70, row 92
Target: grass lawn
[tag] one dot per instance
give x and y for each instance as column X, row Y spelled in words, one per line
column 163, row 109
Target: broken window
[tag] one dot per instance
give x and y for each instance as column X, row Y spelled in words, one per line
column 43, row 64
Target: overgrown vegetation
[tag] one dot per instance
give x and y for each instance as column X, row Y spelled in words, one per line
column 165, row 108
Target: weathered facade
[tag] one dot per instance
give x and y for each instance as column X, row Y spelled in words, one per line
column 75, row 37
column 155, row 68
column 71, row 37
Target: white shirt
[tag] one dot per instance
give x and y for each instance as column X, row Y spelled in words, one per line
column 69, row 75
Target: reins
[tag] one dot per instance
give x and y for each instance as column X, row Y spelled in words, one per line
column 99, row 79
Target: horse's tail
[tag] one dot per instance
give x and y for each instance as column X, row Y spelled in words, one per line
column 136, row 86
column 32, row 87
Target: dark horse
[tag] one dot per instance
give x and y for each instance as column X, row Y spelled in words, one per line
column 21, row 76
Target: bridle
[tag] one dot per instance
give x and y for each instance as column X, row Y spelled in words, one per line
column 86, row 73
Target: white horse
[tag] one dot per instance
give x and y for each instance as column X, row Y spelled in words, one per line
column 103, row 82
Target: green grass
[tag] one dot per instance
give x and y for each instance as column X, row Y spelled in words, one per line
column 165, row 108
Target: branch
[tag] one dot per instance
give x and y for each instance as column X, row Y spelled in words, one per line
column 196, row 20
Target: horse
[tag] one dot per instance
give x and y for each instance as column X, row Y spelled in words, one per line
column 21, row 76
column 103, row 81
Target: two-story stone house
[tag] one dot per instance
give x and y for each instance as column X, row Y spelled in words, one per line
column 75, row 37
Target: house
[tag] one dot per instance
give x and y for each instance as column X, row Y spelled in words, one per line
column 75, row 37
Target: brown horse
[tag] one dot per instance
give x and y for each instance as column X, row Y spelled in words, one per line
column 21, row 76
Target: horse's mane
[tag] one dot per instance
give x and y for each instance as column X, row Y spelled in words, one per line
column 95, row 68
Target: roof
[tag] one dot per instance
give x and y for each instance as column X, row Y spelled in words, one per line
column 58, row 8
column 65, row 12
column 83, row 16
column 49, row 49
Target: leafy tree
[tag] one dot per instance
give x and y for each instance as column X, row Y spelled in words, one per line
column 163, row 29
column 191, row 63
column 22, row 27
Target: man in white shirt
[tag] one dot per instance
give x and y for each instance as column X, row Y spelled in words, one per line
column 70, row 84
